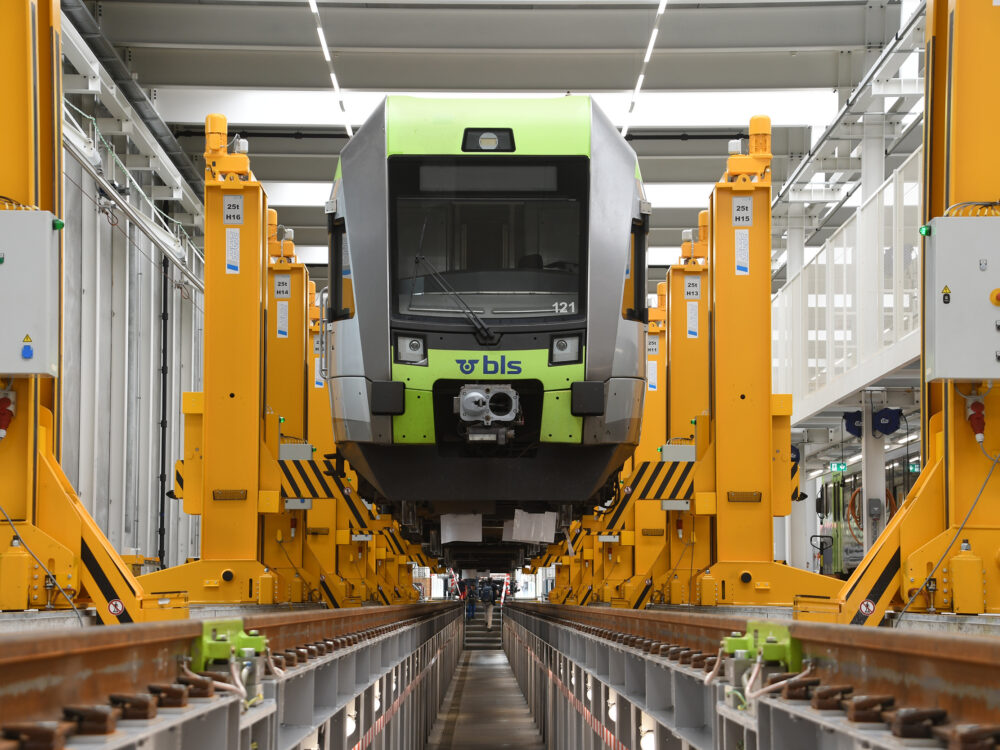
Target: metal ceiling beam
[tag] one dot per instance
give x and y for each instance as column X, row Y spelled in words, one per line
column 83, row 23
column 477, row 27
column 577, row 71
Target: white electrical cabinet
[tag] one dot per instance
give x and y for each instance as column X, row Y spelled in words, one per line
column 29, row 293
column 962, row 299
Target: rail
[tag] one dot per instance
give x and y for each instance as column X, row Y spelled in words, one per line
column 940, row 686
column 333, row 656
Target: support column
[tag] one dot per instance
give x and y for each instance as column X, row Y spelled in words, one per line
column 799, row 526
column 795, row 242
column 797, row 552
column 872, row 474
column 872, row 154
column 869, row 285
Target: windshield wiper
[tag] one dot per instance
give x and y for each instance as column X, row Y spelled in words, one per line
column 483, row 332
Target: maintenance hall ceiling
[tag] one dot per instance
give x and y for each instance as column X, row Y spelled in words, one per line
column 713, row 65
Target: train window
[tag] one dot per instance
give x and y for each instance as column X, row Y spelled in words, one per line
column 505, row 236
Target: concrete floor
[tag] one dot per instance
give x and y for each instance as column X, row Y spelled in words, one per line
column 484, row 708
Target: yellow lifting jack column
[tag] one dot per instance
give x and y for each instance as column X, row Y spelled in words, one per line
column 941, row 551
column 686, row 296
column 220, row 478
column 694, row 522
column 52, row 553
column 744, row 471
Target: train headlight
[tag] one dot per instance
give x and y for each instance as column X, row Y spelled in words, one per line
column 411, row 350
column 564, row 350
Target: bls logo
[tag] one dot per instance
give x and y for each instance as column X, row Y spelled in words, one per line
column 503, row 366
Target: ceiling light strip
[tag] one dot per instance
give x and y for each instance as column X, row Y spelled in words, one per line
column 329, row 64
column 645, row 61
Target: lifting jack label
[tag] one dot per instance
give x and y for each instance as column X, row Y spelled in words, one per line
column 232, row 250
column 742, row 252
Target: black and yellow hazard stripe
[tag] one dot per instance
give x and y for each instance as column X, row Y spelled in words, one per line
column 644, row 595
column 179, row 479
column 109, row 585
column 614, row 514
column 795, row 481
column 394, row 544
column 362, row 513
column 307, row 480
column 874, row 584
column 666, row 480
column 329, row 594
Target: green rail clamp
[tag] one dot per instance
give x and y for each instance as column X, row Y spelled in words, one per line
column 222, row 639
column 772, row 641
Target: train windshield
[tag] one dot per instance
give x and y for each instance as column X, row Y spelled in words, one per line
column 503, row 236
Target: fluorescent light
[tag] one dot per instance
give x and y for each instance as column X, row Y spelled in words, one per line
column 322, row 43
column 312, row 6
column 817, row 473
column 662, row 256
column 350, row 130
column 313, row 255
column 663, row 7
column 638, row 85
column 336, row 84
column 624, row 130
column 652, row 43
column 286, row 193
column 679, row 194
column 854, row 459
column 908, row 439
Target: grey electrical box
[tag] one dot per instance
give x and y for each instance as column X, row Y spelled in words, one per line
column 29, row 293
column 962, row 299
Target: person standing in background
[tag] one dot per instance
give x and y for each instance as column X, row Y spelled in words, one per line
column 489, row 599
column 470, row 602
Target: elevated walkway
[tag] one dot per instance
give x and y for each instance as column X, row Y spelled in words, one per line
column 484, row 708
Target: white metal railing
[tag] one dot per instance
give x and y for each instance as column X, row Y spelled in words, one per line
column 851, row 315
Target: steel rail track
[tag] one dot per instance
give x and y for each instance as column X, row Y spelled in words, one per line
column 42, row 673
column 954, row 672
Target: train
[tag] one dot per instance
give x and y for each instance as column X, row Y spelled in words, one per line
column 486, row 340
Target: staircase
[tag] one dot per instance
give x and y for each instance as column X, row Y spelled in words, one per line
column 477, row 638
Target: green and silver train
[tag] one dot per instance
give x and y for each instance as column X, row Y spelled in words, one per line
column 487, row 342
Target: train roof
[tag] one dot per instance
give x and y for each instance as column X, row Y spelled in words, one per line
column 557, row 126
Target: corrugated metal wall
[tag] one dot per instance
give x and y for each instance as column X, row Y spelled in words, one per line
column 112, row 385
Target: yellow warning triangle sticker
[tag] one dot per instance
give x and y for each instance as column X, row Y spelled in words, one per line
column 946, row 290
column 26, row 339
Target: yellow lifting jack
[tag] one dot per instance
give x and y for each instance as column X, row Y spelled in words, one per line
column 941, row 551
column 694, row 522
column 281, row 522
column 52, row 553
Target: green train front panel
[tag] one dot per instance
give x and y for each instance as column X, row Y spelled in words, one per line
column 558, row 425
